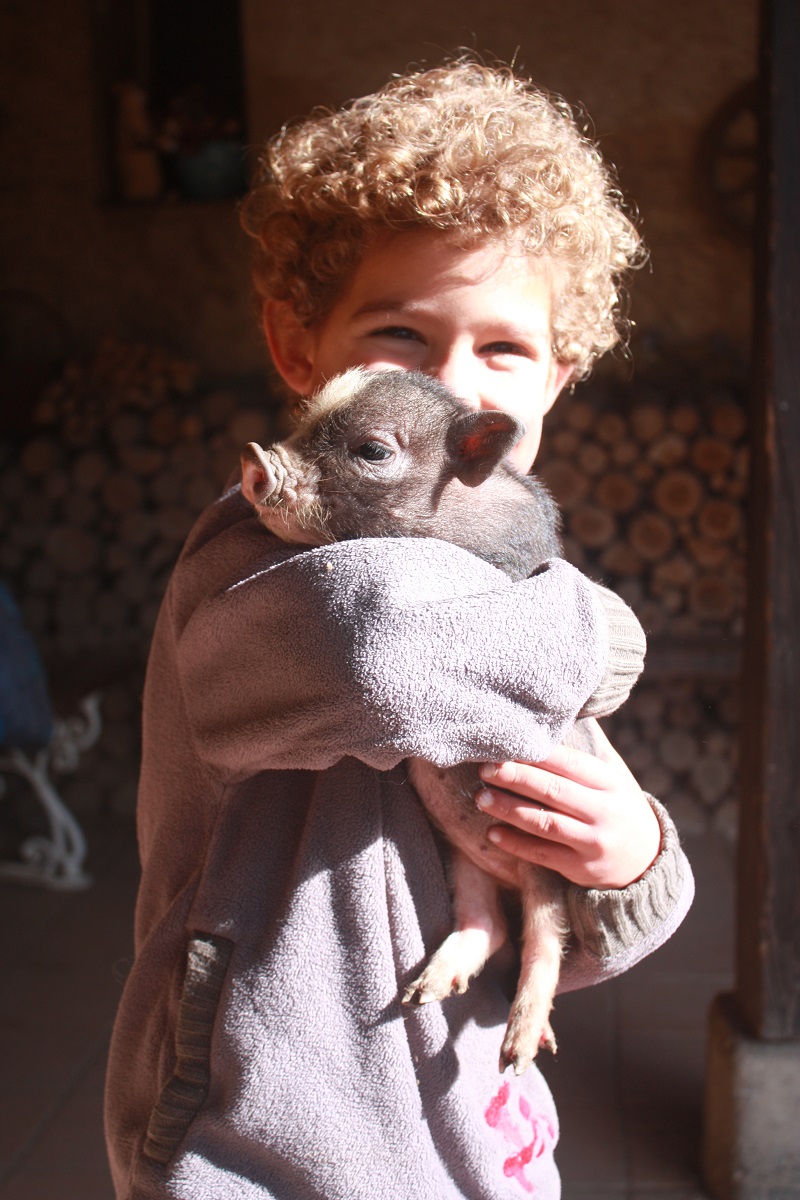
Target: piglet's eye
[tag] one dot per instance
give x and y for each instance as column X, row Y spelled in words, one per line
column 373, row 451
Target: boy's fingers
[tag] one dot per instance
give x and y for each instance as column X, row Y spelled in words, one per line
column 562, row 760
column 535, row 850
column 558, row 781
column 532, row 818
column 555, row 856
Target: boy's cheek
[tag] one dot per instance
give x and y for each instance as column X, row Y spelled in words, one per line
column 377, row 358
column 381, row 352
column 389, row 359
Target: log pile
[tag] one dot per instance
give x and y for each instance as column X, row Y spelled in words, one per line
column 650, row 472
column 679, row 737
column 652, row 495
column 96, row 505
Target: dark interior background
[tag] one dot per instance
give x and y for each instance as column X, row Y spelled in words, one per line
column 133, row 370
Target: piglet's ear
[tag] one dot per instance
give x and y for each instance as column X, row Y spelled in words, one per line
column 478, row 441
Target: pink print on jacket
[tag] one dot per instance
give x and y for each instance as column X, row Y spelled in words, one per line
column 528, row 1144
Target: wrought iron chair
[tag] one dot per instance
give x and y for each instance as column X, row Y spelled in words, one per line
column 34, row 743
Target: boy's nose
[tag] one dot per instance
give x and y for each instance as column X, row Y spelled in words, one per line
column 457, row 371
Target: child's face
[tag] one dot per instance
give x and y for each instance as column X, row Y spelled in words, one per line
column 478, row 320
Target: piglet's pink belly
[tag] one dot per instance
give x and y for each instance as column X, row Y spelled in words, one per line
column 448, row 794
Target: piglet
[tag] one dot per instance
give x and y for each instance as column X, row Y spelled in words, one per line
column 395, row 454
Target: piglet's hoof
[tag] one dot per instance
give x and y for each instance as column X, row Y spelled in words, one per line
column 519, row 1049
column 415, row 996
column 435, row 985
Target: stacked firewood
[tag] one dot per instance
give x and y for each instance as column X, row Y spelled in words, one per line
column 679, row 737
column 649, row 469
column 652, row 494
column 97, row 503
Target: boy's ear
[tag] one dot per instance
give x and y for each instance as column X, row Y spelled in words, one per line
column 560, row 375
column 290, row 345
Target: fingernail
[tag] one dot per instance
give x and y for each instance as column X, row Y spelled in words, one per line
column 484, row 799
column 494, row 835
column 488, row 770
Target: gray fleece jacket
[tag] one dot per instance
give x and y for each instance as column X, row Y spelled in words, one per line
column 292, row 885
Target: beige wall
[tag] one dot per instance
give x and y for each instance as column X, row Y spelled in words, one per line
column 649, row 74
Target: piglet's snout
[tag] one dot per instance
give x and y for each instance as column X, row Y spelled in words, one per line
column 266, row 478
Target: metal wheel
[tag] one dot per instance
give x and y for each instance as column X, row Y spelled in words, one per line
column 728, row 162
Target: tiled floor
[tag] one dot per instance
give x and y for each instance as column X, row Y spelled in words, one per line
column 64, row 957
column 628, row 1078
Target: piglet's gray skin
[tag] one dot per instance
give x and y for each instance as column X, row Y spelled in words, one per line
column 395, row 454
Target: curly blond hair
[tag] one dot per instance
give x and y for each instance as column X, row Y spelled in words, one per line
column 468, row 149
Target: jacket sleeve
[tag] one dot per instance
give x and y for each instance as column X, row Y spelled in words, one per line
column 613, row 929
column 386, row 648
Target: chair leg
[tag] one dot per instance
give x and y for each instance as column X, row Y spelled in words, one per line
column 55, row 861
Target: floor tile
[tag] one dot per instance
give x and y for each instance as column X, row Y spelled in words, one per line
column 664, row 1154
column 591, row 1192
column 58, row 995
column 592, row 1152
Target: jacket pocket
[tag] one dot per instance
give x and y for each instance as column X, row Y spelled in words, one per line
column 185, row 1092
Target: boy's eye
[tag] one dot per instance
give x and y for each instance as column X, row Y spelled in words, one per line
column 504, row 348
column 373, row 451
column 397, row 331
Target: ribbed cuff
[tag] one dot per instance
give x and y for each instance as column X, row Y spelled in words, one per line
column 608, row 921
column 626, row 650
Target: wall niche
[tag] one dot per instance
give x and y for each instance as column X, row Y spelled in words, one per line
column 170, row 84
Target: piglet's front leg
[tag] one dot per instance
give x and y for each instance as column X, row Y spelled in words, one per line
column 480, row 930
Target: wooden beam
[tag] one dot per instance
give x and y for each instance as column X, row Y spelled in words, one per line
column 768, row 940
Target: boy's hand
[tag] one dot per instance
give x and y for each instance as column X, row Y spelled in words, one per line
column 583, row 816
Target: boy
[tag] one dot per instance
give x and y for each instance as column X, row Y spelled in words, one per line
column 455, row 222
